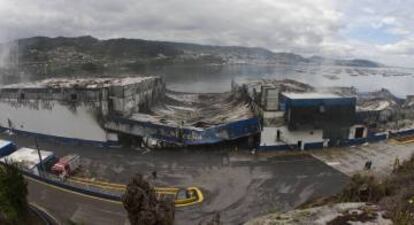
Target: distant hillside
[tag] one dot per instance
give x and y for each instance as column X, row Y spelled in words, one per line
column 86, row 54
column 353, row 62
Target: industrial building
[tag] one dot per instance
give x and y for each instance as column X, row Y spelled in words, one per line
column 105, row 110
column 299, row 116
column 74, row 109
column 333, row 114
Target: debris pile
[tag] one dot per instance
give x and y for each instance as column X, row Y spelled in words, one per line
column 196, row 110
column 90, row 83
column 285, row 85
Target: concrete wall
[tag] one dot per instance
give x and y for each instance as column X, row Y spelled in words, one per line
column 306, row 136
column 53, row 118
column 270, row 98
column 74, row 113
column 130, row 99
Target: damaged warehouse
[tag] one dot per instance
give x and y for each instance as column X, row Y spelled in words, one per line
column 105, row 109
column 74, row 109
column 268, row 114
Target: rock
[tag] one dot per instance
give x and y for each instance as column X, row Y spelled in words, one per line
column 337, row 214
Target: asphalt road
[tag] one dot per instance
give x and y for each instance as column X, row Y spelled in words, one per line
column 236, row 184
column 66, row 206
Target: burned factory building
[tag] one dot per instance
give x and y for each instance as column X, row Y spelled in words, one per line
column 74, row 109
column 105, row 110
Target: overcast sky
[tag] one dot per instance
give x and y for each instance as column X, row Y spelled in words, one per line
column 380, row 30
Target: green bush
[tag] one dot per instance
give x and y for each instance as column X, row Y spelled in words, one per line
column 13, row 195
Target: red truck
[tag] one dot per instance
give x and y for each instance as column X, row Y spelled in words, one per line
column 66, row 165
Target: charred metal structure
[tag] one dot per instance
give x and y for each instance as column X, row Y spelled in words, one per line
column 75, row 109
column 102, row 110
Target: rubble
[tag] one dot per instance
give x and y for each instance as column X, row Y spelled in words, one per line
column 285, row 85
column 89, row 83
column 196, row 110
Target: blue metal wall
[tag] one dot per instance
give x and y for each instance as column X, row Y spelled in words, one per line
column 188, row 136
column 64, row 140
column 286, row 103
column 7, row 149
column 314, row 145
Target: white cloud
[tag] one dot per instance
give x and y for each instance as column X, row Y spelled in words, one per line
column 301, row 26
column 279, row 25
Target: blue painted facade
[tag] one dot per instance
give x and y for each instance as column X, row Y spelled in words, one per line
column 188, row 136
column 285, row 147
column 286, row 102
column 6, row 148
column 63, row 140
column 314, row 145
column 372, row 137
column 403, row 133
column 376, row 137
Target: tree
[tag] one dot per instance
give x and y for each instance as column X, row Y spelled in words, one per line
column 142, row 205
column 13, row 196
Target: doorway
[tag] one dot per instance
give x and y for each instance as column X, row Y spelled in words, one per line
column 300, row 145
column 359, row 132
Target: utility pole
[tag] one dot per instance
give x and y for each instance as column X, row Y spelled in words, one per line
column 40, row 157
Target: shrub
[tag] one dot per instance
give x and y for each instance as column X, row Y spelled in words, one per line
column 364, row 189
column 142, row 205
column 13, row 195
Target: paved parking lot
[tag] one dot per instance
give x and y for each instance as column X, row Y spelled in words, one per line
column 236, row 184
column 352, row 160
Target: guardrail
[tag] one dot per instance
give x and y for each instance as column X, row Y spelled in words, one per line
column 114, row 193
column 46, row 219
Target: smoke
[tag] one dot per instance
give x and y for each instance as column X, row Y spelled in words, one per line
column 9, row 61
column 8, row 55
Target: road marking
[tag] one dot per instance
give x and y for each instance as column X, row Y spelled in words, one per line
column 178, row 205
column 74, row 192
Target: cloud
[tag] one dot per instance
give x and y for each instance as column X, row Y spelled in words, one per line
column 302, row 26
column 278, row 25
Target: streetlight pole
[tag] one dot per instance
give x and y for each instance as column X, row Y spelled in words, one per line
column 40, row 157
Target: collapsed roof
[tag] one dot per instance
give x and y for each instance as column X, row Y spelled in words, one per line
column 196, row 110
column 83, row 83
